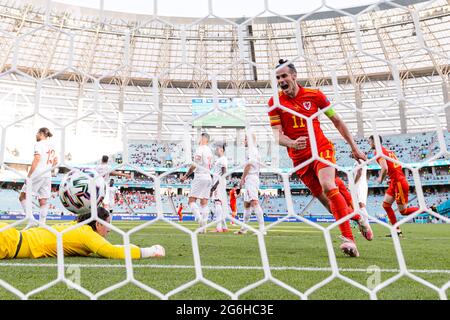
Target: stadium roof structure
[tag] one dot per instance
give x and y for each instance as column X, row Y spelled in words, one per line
column 137, row 74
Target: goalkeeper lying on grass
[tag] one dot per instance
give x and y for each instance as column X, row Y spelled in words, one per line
column 82, row 241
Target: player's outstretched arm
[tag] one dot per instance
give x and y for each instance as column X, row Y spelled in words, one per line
column 345, row 133
column 384, row 169
column 120, row 174
column 102, row 247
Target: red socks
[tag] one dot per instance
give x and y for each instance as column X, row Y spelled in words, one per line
column 347, row 196
column 390, row 212
column 409, row 211
column 339, row 209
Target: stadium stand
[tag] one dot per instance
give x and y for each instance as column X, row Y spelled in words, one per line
column 410, row 148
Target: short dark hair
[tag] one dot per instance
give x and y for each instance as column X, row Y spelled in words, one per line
column 221, row 145
column 381, row 139
column 290, row 65
column 102, row 213
column 205, row 135
column 105, row 159
column 46, row 132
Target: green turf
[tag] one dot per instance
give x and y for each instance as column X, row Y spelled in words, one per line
column 425, row 247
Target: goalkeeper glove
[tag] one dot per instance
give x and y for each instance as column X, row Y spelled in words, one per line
column 155, row 251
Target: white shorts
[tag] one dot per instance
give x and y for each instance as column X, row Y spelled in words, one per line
column 106, row 198
column 41, row 187
column 107, row 201
column 201, row 188
column 220, row 194
column 362, row 190
column 251, row 186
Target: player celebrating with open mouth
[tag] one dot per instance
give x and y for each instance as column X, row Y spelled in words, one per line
column 291, row 131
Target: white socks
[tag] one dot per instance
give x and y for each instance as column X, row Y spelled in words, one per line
column 224, row 220
column 218, row 212
column 200, row 214
column 247, row 214
column 23, row 203
column 259, row 215
column 43, row 213
column 195, row 211
column 31, row 223
column 205, row 213
column 364, row 214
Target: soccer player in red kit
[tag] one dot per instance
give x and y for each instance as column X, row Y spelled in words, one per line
column 233, row 206
column 180, row 212
column 291, row 131
column 398, row 185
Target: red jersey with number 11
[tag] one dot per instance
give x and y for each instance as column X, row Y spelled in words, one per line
column 307, row 102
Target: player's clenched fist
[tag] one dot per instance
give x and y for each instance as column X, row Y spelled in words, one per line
column 300, row 143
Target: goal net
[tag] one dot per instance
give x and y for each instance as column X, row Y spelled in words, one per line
column 143, row 88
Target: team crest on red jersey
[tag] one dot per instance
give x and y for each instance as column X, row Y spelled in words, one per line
column 307, row 105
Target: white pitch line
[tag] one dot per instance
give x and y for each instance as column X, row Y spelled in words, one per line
column 164, row 266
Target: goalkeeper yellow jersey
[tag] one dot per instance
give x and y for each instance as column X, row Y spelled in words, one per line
column 40, row 242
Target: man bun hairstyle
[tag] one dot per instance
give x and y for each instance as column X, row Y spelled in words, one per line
column 373, row 139
column 290, row 65
column 46, row 132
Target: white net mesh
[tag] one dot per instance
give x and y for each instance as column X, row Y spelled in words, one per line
column 107, row 81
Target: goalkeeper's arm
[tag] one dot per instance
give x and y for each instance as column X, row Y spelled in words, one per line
column 102, row 247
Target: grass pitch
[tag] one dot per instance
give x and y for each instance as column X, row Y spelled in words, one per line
column 297, row 255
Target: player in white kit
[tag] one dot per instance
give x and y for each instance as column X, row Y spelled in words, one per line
column 112, row 191
column 218, row 190
column 202, row 182
column 105, row 171
column 40, row 173
column 362, row 188
column 250, row 181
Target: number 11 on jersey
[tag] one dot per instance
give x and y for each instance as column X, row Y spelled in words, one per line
column 296, row 125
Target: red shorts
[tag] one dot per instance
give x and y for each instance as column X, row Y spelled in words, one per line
column 399, row 189
column 233, row 207
column 309, row 174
